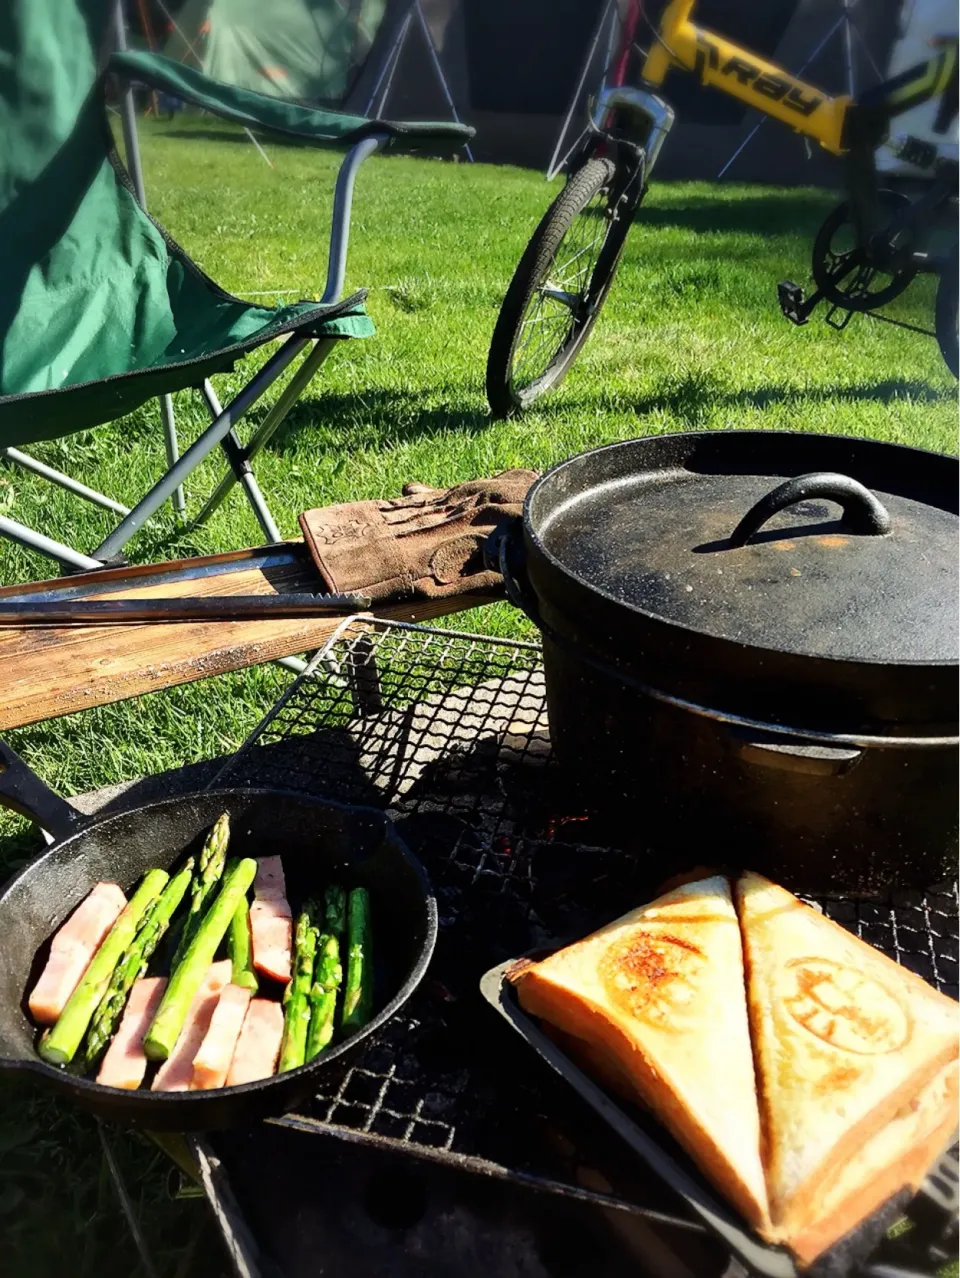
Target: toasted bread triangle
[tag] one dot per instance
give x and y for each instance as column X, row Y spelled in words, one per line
column 843, row 1039
column 659, row 997
column 895, row 1158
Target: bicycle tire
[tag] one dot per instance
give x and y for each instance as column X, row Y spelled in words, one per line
column 505, row 394
column 945, row 313
column 830, row 284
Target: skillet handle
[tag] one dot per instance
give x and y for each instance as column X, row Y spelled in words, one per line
column 23, row 791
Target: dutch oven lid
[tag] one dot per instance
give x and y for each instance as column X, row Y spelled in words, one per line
column 813, row 545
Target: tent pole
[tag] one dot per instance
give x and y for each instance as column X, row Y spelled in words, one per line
column 131, row 145
column 387, row 65
column 554, row 166
column 848, row 48
column 391, row 65
column 435, row 59
column 557, row 165
column 763, row 119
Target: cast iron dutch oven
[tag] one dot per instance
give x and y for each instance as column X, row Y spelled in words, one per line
column 750, row 649
column 319, row 841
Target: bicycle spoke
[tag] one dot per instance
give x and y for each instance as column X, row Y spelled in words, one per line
column 585, row 249
column 557, row 306
column 545, row 336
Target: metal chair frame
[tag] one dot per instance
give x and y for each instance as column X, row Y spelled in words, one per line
column 222, row 429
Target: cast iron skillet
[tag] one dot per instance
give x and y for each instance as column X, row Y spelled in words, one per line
column 320, row 841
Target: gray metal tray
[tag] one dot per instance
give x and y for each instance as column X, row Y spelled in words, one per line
column 676, row 1171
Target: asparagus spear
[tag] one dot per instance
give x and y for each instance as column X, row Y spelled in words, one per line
column 240, row 948
column 296, row 998
column 134, row 963
column 335, row 911
column 60, row 1045
column 186, row 978
column 358, row 990
column 210, row 865
column 323, row 995
column 328, row 972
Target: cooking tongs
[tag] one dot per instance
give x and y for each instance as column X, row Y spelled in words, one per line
column 100, row 612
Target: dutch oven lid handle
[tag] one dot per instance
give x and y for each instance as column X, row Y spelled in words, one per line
column 861, row 509
column 23, row 791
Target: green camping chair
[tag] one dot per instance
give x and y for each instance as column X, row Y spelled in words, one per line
column 100, row 310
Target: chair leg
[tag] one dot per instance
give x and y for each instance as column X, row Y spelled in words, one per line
column 242, row 471
column 64, row 555
column 131, row 145
column 173, row 451
column 200, row 448
column 270, row 424
column 63, row 481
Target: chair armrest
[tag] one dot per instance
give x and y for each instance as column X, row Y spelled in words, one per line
column 278, row 115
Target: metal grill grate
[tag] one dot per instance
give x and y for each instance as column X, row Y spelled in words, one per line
column 448, row 733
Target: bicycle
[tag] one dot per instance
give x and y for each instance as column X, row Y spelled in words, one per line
column 568, row 267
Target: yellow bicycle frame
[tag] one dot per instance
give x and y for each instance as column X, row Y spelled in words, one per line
column 744, row 75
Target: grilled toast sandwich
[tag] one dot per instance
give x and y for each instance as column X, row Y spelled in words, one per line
column 845, row 1040
column 895, row 1158
column 658, row 997
column 809, row 1076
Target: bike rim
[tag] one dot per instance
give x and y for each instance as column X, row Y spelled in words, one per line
column 560, row 305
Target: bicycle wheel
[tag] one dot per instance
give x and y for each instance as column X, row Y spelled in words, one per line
column 946, row 313
column 840, row 267
column 559, row 286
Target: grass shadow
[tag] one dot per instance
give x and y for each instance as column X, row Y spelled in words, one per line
column 771, row 213
column 374, row 417
column 690, row 395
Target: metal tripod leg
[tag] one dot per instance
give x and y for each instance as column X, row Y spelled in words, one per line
column 126, row 1206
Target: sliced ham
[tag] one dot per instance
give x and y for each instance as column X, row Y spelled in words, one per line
column 212, row 1062
column 176, row 1072
column 72, row 949
column 258, row 1050
column 125, row 1063
column 271, row 921
column 271, row 926
column 270, row 883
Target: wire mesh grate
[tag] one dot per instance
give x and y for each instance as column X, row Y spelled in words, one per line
column 448, row 733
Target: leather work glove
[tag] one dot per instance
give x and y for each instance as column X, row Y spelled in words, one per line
column 426, row 544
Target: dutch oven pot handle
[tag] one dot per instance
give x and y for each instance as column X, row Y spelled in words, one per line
column 23, row 791
column 861, row 509
column 505, row 554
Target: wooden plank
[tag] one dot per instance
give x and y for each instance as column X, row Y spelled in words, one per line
column 51, row 671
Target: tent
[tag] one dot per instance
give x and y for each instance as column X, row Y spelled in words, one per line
column 511, row 68
column 302, row 49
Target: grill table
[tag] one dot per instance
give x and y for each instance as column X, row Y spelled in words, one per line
column 446, row 1133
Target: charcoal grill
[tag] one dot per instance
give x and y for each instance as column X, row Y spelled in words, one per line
column 446, row 1132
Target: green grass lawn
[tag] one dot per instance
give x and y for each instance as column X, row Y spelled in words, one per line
column 691, row 337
